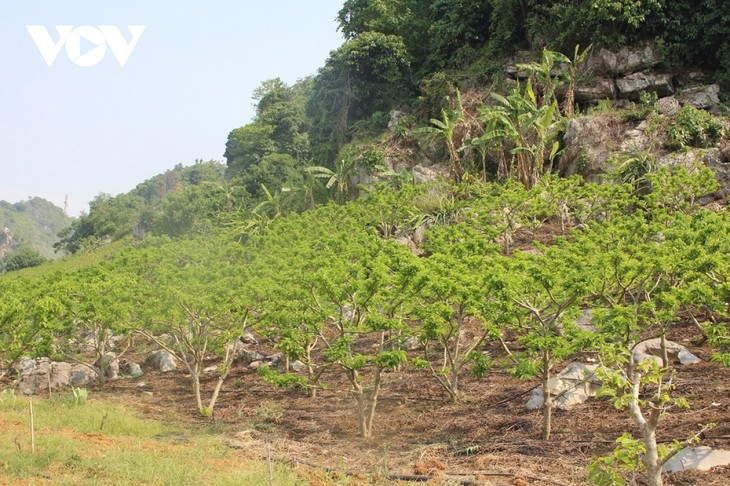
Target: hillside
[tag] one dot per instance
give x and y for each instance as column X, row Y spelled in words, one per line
column 35, row 223
column 452, row 255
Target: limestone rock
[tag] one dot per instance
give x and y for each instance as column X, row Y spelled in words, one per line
column 424, row 175
column 651, row 349
column 40, row 374
column 701, row 458
column 162, row 361
column 631, row 86
column 297, row 366
column 130, row 368
column 702, row 97
column 249, row 356
column 626, row 60
column 571, row 387
column 110, row 363
column 600, row 89
column 587, row 140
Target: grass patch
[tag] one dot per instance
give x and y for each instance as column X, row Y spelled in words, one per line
column 100, row 443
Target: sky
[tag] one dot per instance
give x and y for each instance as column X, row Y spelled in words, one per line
column 87, row 125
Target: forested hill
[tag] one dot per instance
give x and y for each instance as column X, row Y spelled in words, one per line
column 30, row 226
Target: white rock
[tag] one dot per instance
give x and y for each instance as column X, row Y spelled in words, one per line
column 701, row 458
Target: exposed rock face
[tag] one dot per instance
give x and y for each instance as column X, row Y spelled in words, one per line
column 162, row 361
column 702, row 97
column 599, row 89
column 631, row 86
column 626, row 60
column 37, row 376
column 424, row 175
column 588, row 141
column 571, row 387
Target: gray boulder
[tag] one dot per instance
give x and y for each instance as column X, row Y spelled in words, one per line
column 162, row 361
column 702, row 97
column 424, row 175
column 572, row 386
column 627, row 59
column 631, row 86
column 599, row 89
column 701, row 458
column 37, row 376
column 130, row 368
column 587, row 140
column 110, row 363
column 297, row 366
column 651, row 349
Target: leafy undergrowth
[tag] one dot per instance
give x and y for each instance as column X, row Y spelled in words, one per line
column 105, row 443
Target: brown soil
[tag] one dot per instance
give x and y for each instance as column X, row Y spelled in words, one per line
column 489, row 438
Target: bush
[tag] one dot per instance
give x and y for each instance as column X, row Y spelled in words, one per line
column 694, row 128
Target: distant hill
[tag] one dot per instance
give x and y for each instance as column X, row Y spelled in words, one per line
column 34, row 222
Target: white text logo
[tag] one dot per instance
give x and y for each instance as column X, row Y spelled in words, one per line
column 97, row 38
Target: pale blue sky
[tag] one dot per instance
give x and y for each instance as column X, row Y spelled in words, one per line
column 81, row 131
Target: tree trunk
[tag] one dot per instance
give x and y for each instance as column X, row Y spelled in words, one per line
column 547, row 399
column 195, row 377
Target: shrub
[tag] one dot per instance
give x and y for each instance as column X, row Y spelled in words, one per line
column 694, row 128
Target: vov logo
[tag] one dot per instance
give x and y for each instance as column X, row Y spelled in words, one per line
column 99, row 38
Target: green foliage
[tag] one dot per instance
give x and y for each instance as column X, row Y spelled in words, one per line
column 22, row 257
column 606, row 471
column 694, row 128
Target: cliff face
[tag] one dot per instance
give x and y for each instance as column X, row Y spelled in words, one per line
column 34, row 222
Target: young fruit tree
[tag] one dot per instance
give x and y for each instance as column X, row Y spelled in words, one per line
column 196, row 296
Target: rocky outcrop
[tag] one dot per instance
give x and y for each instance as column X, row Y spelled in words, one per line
column 703, row 97
column 110, row 364
column 626, row 60
column 588, row 144
column 630, row 87
column 39, row 375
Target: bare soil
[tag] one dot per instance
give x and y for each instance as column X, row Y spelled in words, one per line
column 489, row 438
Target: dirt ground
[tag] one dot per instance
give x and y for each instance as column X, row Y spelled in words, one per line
column 487, row 439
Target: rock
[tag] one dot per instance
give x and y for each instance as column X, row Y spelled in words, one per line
column 82, row 375
column 702, row 97
column 408, row 242
column 571, row 387
column 651, row 349
column 110, row 363
column 701, row 458
column 410, row 344
column 256, row 364
column 210, row 369
column 395, row 117
column 668, row 106
column 249, row 338
column 297, row 366
column 130, row 368
column 38, row 376
column 274, row 360
column 249, row 356
column 424, row 175
column 631, row 86
column 162, row 361
column 599, row 89
column 626, row 60
column 587, row 140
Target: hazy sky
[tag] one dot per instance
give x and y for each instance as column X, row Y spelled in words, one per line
column 80, row 131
